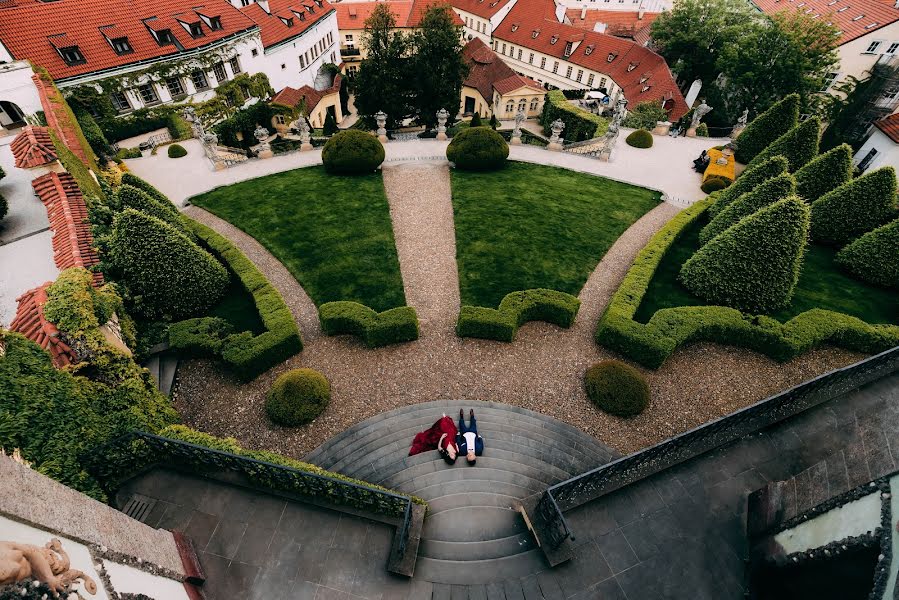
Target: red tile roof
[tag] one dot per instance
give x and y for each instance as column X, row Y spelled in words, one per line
column 58, row 119
column 890, row 126
column 854, row 18
column 294, row 97
column 619, row 23
column 274, row 31
column 480, row 8
column 31, row 323
column 33, row 30
column 352, row 15
column 420, row 7
column 487, row 71
column 643, row 75
column 73, row 244
column 33, row 148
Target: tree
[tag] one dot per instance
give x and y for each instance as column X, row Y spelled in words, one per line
column 645, row 115
column 856, row 207
column 851, row 111
column 438, row 65
column 874, row 257
column 381, row 84
column 330, row 127
column 826, row 172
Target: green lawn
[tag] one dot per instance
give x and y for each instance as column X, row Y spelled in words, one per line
column 531, row 226
column 333, row 233
column 821, row 285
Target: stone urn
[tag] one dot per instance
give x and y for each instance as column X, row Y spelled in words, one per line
column 381, row 120
column 263, row 149
column 442, row 116
column 555, row 141
column 516, row 131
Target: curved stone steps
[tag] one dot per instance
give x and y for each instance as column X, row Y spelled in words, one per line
column 437, row 491
column 426, row 471
column 466, row 523
column 468, row 498
column 476, row 572
column 470, row 551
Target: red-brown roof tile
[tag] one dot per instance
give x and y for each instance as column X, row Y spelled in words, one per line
column 31, row 323
column 273, row 30
column 352, row 15
column 487, row 71
column 619, row 23
column 420, row 7
column 854, row 18
column 480, row 8
column 58, row 118
column 294, row 97
column 33, row 148
column 73, row 243
column 890, row 127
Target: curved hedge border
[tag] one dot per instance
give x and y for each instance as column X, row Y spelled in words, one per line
column 516, row 309
column 376, row 329
column 248, row 355
column 652, row 343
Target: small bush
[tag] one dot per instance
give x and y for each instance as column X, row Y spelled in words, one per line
column 645, row 115
column 714, row 184
column 767, row 127
column 617, row 388
column 297, row 397
column 516, row 309
column 702, row 130
column 748, row 181
column 176, row 151
column 874, row 257
column 4, row 207
column 769, row 192
column 124, row 153
column 352, row 152
column 856, row 207
column 392, row 326
column 799, row 145
column 202, row 337
column 178, row 128
column 639, row 139
column 825, row 173
column 478, row 149
column 579, row 124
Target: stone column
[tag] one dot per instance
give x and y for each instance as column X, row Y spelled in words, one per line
column 555, row 141
column 442, row 116
column 516, row 132
column 381, row 120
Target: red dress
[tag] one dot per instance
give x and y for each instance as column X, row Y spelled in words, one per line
column 430, row 438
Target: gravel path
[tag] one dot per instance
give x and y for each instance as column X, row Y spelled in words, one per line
column 542, row 370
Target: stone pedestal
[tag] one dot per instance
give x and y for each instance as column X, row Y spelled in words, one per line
column 691, row 132
column 441, row 136
column 305, row 147
column 605, row 155
column 265, row 154
column 735, row 133
column 662, row 128
column 515, row 141
column 219, row 165
column 382, row 138
column 555, row 147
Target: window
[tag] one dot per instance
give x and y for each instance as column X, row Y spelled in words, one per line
column 215, row 23
column 280, row 120
column 554, row 39
column 254, row 52
column 523, row 104
column 195, row 29
column 519, row 54
column 534, row 103
column 568, row 72
column 510, row 106
column 873, row 47
column 165, row 37
column 580, row 75
column 219, row 71
column 555, row 66
column 631, row 66
column 72, row 55
column 543, row 62
column 503, row 51
column 611, row 57
column 531, row 59
column 569, row 46
column 302, row 62
column 176, row 89
column 120, row 101
column 828, row 81
column 535, row 33
column 121, row 46
column 514, row 27
column 147, row 93
column 866, row 161
column 602, row 83
column 334, row 57
column 588, row 50
column 198, row 78
column 590, row 80
column 235, row 65
column 349, row 38
column 893, row 47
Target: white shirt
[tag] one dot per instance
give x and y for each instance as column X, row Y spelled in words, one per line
column 469, row 440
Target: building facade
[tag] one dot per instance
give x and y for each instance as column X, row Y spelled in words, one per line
column 881, row 149
column 19, row 97
column 494, row 88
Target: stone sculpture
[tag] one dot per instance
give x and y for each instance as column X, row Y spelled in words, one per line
column 555, row 141
column 305, row 134
column 516, row 131
column 698, row 113
column 381, row 120
column 442, row 116
column 50, row 565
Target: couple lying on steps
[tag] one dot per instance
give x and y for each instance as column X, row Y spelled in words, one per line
column 449, row 441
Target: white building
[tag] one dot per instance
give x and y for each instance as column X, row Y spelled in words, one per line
column 18, row 96
column 882, row 148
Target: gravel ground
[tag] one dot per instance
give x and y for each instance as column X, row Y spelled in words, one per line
column 542, row 370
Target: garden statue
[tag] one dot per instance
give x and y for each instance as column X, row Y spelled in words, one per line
column 442, row 116
column 49, row 565
column 693, row 92
column 189, row 114
column 698, row 113
column 209, row 139
column 381, row 120
column 555, row 141
column 305, row 134
column 741, row 124
column 264, row 149
column 516, row 131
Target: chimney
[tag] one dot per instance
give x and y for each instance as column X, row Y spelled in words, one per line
column 584, row 11
column 642, row 10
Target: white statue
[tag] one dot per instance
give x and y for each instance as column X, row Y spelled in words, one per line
column 698, row 113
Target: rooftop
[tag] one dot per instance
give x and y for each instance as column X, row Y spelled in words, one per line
column 889, row 126
column 287, row 19
column 408, row 13
column 33, row 148
column 480, row 8
column 295, row 97
column 854, row 18
column 31, row 323
column 487, row 72
column 627, row 24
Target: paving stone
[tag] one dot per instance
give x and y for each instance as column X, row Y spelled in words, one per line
column 641, row 538
column 495, row 591
column 200, row 528
column 530, row 588
column 513, row 590
column 549, row 586
column 340, row 569
column 254, row 545
column 302, row 590
column 226, row 538
column 617, row 551
column 587, row 568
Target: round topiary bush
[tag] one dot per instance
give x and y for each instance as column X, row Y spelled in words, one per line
column 177, row 151
column 297, row 397
column 639, row 139
column 352, row 152
column 617, row 388
column 478, row 149
column 713, row 184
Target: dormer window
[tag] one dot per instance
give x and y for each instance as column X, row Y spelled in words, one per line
column 514, row 27
column 72, row 55
column 645, row 88
column 215, row 23
column 644, row 79
column 871, row 26
column 121, row 46
column 843, row 9
column 318, row 3
column 535, row 33
column 288, row 21
column 632, row 66
column 568, row 47
column 588, row 50
column 195, row 29
column 611, row 56
column 858, row 18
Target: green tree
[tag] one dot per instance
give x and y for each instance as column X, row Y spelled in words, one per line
column 826, row 172
column 381, row 84
column 850, row 112
column 778, row 119
column 799, row 145
column 748, row 181
column 438, row 64
column 330, row 127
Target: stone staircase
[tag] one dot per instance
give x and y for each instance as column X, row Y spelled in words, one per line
column 471, row 533
column 163, row 366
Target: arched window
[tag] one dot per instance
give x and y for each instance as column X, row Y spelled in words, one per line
column 510, row 106
column 534, row 103
column 522, row 104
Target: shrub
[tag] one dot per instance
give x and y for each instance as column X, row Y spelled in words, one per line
column 330, row 127
column 352, row 152
column 617, row 388
column 176, row 151
column 4, row 207
column 714, row 184
column 799, row 145
column 769, row 192
column 392, row 326
column 178, row 128
column 645, row 115
column 128, row 196
column 297, row 397
column 516, row 309
column 92, row 133
column 767, row 127
column 754, row 265
column 748, row 181
column 855, row 207
column 494, row 122
column 475, row 120
column 826, row 172
column 135, row 181
column 702, row 130
column 166, row 273
column 124, row 153
column 478, row 149
column 201, row 337
column 639, row 139
column 579, row 124
column 874, row 257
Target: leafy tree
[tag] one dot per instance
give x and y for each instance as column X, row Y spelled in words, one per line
column 382, row 81
column 851, row 111
column 437, row 64
column 874, row 257
column 767, row 127
column 645, row 115
column 855, row 207
column 769, row 192
column 799, row 145
column 128, row 196
column 826, row 172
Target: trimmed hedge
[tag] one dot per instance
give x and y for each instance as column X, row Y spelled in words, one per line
column 767, row 127
column 856, row 207
column 352, row 152
column 516, row 309
column 133, row 180
column 769, row 192
column 579, row 124
column 201, row 337
column 639, row 139
column 799, row 145
column 652, row 343
column 617, row 388
column 297, row 397
column 714, row 184
column 128, row 196
column 748, row 181
column 176, row 151
column 393, row 326
column 247, row 355
column 825, row 173
column 874, row 257
column 4, row 207
column 478, row 149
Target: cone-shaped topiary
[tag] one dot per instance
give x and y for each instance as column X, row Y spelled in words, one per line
column 768, row 192
column 352, row 152
column 617, row 388
column 639, row 139
column 799, row 145
column 874, row 257
column 166, row 273
column 855, row 207
column 128, row 196
column 475, row 120
column 134, row 180
column 330, row 127
column 297, row 397
column 767, row 127
column 754, row 265
column 826, row 172
column 748, row 181
column 478, row 149
column 714, row 184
